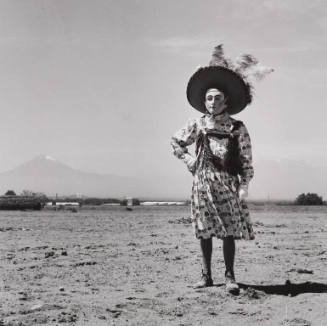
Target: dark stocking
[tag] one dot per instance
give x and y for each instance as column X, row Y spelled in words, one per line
column 206, row 248
column 229, row 253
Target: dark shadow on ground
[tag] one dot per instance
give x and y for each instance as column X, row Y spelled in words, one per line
column 288, row 288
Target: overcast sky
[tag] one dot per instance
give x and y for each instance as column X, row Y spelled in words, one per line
column 100, row 85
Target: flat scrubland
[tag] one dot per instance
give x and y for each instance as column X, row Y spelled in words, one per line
column 117, row 267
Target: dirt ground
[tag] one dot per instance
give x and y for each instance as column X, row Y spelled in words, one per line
column 119, row 267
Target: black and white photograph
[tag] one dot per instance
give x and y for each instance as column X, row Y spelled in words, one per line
column 163, row 162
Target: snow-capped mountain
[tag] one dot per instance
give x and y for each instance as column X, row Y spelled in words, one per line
column 46, row 174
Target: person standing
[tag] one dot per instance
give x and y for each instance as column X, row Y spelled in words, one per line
column 222, row 165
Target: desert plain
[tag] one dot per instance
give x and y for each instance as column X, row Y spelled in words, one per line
column 110, row 266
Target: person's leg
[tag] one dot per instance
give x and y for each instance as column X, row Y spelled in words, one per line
column 229, row 253
column 206, row 250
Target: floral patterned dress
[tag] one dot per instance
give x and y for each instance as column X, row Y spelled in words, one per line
column 215, row 205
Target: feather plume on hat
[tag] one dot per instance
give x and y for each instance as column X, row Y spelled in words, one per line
column 245, row 65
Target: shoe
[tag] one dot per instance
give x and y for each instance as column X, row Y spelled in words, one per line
column 205, row 281
column 231, row 285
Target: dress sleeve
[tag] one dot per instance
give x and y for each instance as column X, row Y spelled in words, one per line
column 183, row 138
column 245, row 150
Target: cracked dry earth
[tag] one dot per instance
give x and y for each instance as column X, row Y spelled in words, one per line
column 116, row 267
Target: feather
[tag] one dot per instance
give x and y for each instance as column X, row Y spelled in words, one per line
column 259, row 72
column 245, row 61
column 249, row 67
column 219, row 59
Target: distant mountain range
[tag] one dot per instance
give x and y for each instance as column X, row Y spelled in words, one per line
column 45, row 174
column 287, row 179
column 273, row 180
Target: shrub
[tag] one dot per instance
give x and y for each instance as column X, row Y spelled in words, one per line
column 309, row 199
column 40, row 195
column 10, row 193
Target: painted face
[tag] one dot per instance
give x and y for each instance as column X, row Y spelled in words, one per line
column 215, row 101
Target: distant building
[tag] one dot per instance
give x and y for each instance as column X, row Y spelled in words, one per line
column 130, row 201
column 163, row 203
column 62, row 205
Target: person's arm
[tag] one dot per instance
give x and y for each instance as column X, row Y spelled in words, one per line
column 183, row 138
column 245, row 150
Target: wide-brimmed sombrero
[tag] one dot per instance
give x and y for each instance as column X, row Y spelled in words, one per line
column 230, row 78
